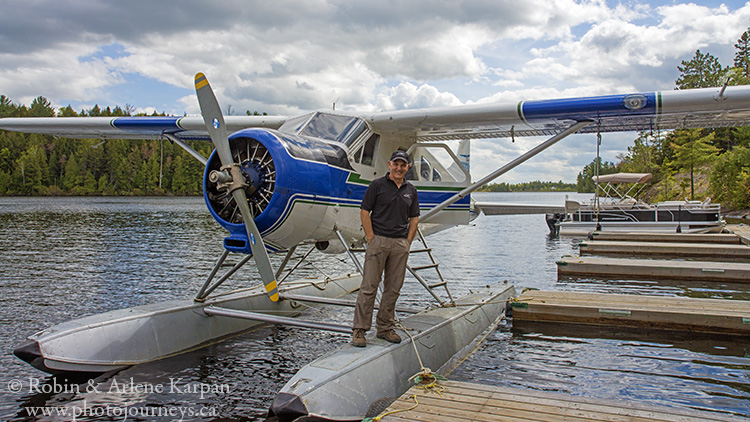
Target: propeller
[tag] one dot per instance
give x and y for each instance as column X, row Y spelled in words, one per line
column 231, row 178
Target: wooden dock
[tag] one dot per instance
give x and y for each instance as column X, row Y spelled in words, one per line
column 461, row 401
column 741, row 230
column 720, row 238
column 649, row 268
column 661, row 312
column 705, row 251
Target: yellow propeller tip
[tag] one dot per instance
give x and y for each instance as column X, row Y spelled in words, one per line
column 200, row 80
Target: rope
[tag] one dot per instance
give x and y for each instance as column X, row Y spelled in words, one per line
column 428, row 381
column 381, row 416
column 425, row 379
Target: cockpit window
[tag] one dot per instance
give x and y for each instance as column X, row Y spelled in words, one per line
column 295, row 125
column 368, row 152
column 335, row 128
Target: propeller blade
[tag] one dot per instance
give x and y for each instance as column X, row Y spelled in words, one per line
column 215, row 124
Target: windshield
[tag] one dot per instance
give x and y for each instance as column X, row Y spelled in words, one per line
column 336, row 128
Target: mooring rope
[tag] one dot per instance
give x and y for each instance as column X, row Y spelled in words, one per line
column 425, row 379
column 381, row 416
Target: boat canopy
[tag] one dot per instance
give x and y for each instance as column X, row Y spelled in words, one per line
column 623, row 178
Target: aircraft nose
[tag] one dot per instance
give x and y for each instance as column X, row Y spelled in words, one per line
column 287, row 407
column 30, row 353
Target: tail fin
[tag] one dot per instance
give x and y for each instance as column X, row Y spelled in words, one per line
column 464, row 153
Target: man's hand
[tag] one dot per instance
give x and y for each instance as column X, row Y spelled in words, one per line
column 364, row 215
column 413, row 226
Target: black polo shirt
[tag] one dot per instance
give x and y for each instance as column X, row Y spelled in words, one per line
column 390, row 207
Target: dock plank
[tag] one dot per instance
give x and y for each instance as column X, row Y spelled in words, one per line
column 706, row 251
column 720, row 238
column 662, row 312
column 652, row 268
column 462, row 401
column 741, row 230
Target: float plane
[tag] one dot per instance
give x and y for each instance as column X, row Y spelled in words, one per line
column 279, row 182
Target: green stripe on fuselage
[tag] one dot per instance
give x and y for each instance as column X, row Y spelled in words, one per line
column 357, row 179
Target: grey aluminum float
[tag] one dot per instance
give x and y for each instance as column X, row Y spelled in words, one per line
column 344, row 384
column 97, row 343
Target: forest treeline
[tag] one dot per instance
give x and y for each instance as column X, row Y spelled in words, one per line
column 717, row 158
column 32, row 164
column 535, row 186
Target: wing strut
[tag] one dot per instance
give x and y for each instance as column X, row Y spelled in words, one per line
column 504, row 169
column 197, row 155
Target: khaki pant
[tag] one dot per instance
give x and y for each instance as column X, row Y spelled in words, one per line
column 383, row 254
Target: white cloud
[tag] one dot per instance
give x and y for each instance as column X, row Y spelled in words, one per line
column 407, row 95
column 293, row 56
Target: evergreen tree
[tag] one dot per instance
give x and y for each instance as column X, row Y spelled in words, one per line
column 68, row 112
column 742, row 56
column 7, row 109
column 703, row 71
column 691, row 151
column 30, row 171
column 5, row 166
column 41, row 107
column 72, row 176
column 742, row 136
column 95, row 111
column 644, row 156
column 5, row 159
column 585, row 182
column 730, row 179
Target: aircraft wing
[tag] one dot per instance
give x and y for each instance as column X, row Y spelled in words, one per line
column 186, row 128
column 694, row 108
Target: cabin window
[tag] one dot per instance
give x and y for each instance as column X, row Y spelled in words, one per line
column 368, row 152
column 425, row 169
column 435, row 163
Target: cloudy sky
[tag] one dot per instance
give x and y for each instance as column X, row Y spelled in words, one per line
column 293, row 56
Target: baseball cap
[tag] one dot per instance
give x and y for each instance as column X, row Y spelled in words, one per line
column 400, row 155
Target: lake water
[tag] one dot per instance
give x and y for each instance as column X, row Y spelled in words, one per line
column 63, row 258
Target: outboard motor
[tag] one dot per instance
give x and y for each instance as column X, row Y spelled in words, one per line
column 553, row 222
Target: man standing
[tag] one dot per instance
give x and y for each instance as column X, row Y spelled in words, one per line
column 389, row 213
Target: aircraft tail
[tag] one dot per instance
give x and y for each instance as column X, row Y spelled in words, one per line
column 464, row 153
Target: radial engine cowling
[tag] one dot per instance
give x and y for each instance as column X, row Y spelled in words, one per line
column 280, row 190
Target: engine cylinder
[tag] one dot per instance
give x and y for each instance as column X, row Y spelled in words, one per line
column 287, row 186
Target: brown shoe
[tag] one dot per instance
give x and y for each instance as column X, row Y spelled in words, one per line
column 358, row 338
column 390, row 335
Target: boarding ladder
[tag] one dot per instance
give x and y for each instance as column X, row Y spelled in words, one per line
column 432, row 265
column 413, row 270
